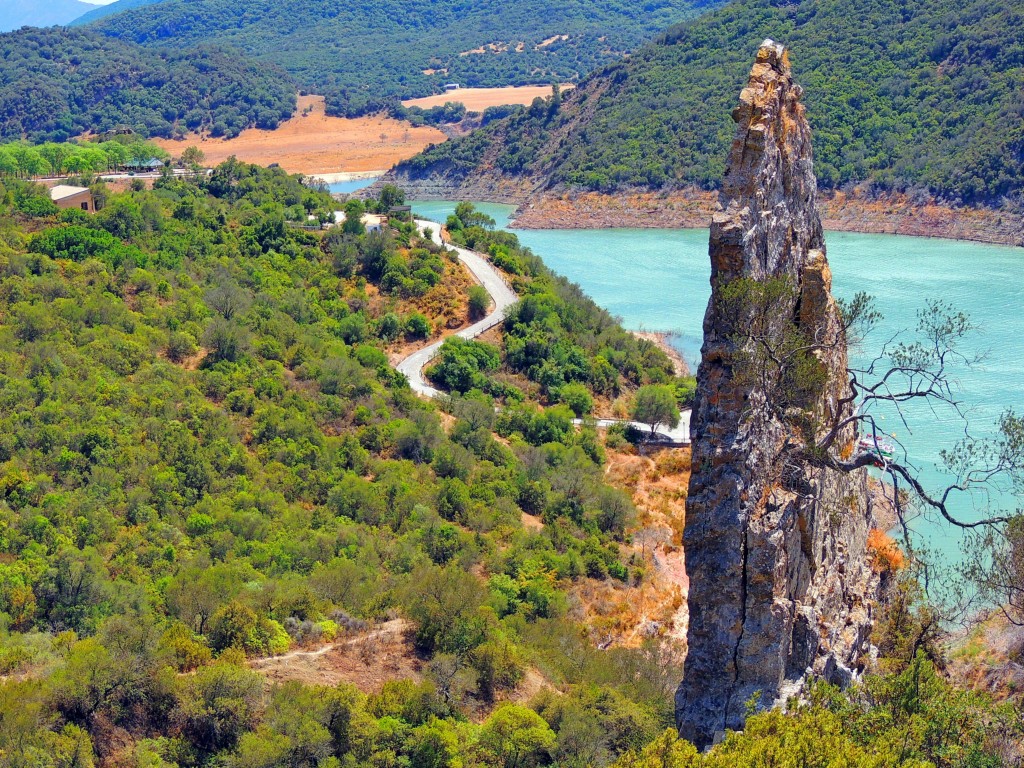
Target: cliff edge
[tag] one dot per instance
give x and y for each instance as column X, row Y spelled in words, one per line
column 775, row 546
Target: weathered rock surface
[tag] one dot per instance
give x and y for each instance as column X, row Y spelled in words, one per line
column 775, row 547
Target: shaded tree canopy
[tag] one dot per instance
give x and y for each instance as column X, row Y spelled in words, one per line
column 59, row 83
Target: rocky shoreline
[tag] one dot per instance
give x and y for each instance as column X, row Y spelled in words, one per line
column 840, row 212
column 892, row 214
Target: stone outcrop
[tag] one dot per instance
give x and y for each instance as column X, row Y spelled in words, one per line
column 775, row 545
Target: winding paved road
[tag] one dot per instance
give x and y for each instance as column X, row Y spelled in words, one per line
column 679, row 435
column 503, row 298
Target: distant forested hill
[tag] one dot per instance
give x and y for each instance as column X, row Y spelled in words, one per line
column 921, row 93
column 100, row 11
column 365, row 54
column 15, row 14
column 57, row 83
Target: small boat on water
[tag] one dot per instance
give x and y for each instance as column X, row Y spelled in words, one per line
column 877, row 445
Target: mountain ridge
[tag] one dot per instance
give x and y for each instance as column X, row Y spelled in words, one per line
column 62, row 82
column 365, row 57
column 923, row 100
column 15, row 14
column 102, row 11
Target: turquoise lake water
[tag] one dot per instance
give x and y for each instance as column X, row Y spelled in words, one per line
column 347, row 187
column 659, row 280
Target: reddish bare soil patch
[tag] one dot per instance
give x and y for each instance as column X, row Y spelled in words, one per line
column 311, row 142
column 533, row 682
column 550, row 41
column 627, row 614
column 531, row 522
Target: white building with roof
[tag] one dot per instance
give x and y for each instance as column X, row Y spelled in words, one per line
column 73, row 197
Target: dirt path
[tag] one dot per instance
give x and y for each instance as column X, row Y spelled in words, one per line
column 391, row 627
column 367, row 660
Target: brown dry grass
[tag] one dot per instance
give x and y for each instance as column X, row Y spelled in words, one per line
column 446, row 305
column 479, row 99
column 372, row 658
column 988, row 658
column 367, row 661
column 314, row 143
column 531, row 522
column 656, row 607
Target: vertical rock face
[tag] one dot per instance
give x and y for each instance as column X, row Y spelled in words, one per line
column 775, row 547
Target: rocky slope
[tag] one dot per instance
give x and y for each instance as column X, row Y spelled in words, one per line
column 775, row 548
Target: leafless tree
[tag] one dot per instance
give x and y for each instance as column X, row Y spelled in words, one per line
column 650, row 537
column 783, row 361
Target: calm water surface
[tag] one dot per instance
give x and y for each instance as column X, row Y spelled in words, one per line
column 348, row 187
column 659, row 280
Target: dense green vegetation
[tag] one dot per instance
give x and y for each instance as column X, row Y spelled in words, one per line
column 205, row 457
column 910, row 719
column 364, row 56
column 556, row 337
column 24, row 160
column 923, row 96
column 59, row 83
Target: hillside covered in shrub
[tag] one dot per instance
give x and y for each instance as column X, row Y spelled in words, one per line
column 206, row 460
column 922, row 95
column 206, row 456
column 59, row 83
column 365, row 56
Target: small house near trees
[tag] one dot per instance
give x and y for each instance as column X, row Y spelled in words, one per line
column 65, row 196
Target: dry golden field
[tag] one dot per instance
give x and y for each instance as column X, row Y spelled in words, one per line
column 479, row 99
column 311, row 143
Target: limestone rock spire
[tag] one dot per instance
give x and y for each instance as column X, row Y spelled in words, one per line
column 775, row 548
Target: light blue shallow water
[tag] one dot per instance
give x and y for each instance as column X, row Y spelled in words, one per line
column 659, row 280
column 347, row 187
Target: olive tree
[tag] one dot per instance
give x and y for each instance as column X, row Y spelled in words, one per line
column 655, row 404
